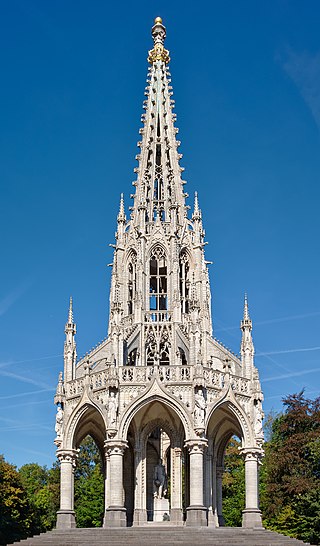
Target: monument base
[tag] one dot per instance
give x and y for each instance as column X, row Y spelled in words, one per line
column 251, row 518
column 196, row 516
column 161, row 510
column 115, row 516
column 66, row 519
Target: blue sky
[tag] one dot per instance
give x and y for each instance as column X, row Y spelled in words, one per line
column 246, row 79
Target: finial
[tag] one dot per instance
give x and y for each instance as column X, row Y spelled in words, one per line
column 70, row 316
column 246, row 308
column 158, row 53
column 121, row 215
column 196, row 210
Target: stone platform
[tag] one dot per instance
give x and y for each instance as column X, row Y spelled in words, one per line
column 161, row 535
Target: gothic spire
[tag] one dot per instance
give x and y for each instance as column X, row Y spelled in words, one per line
column 70, row 353
column 247, row 347
column 159, row 187
column 121, row 215
column 70, row 315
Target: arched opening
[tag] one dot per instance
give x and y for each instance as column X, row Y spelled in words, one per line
column 90, row 470
column 233, row 484
column 184, row 282
column 223, row 462
column 158, row 297
column 89, row 480
column 131, row 292
column 158, row 471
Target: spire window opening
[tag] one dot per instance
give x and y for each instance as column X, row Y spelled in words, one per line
column 131, row 285
column 158, row 296
column 184, row 283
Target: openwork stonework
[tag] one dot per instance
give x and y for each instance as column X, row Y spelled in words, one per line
column 160, row 396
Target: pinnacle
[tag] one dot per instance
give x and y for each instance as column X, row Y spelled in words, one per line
column 246, row 308
column 70, row 315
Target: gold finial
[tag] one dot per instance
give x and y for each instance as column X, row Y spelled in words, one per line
column 158, row 53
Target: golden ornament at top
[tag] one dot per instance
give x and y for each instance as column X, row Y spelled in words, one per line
column 158, row 53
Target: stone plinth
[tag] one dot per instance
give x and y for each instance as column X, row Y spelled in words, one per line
column 160, row 507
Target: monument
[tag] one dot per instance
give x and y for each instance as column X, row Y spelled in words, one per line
column 160, row 396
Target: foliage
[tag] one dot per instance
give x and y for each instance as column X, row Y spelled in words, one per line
column 42, row 489
column 15, row 517
column 89, row 485
column 291, row 496
column 233, row 485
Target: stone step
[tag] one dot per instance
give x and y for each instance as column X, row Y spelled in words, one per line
column 163, row 535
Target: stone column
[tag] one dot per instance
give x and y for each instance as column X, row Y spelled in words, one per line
column 219, row 474
column 107, row 482
column 251, row 515
column 140, row 512
column 115, row 514
column 66, row 515
column 209, row 489
column 176, row 515
column 196, row 512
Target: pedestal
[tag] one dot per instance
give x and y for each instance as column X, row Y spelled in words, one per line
column 115, row 516
column 66, row 519
column 160, row 509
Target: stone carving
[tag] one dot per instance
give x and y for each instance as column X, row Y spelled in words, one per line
column 258, row 417
column 199, row 409
column 59, row 422
column 159, row 481
column 112, row 409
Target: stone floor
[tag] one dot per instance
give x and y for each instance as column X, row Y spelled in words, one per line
column 161, row 535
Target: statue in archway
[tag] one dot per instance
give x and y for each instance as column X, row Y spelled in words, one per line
column 159, row 481
column 199, row 408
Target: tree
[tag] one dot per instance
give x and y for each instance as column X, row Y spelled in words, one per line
column 233, row 485
column 15, row 514
column 291, row 496
column 42, row 489
column 89, row 485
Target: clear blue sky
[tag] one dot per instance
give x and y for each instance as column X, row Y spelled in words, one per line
column 246, row 79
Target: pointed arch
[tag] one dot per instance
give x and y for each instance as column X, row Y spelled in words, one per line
column 227, row 411
column 85, row 420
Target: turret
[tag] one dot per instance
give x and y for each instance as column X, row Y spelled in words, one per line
column 70, row 352
column 247, row 347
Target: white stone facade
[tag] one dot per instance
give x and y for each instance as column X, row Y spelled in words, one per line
column 160, row 390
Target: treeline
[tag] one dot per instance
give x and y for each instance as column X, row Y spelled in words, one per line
column 289, row 474
column 289, row 482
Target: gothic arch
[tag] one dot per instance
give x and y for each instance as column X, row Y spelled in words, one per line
column 88, row 419
column 233, row 408
column 162, row 398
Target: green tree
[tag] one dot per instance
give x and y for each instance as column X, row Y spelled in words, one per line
column 15, row 514
column 291, row 493
column 89, row 485
column 42, row 488
column 233, row 484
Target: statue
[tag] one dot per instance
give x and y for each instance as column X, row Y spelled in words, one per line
column 59, row 422
column 257, row 419
column 112, row 408
column 199, row 408
column 159, row 481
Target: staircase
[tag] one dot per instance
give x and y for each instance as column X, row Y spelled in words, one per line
column 162, row 535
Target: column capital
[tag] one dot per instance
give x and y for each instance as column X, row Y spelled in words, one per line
column 196, row 446
column 251, row 453
column 115, row 447
column 67, row 456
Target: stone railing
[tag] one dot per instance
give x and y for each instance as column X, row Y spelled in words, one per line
column 143, row 374
column 157, row 316
column 166, row 374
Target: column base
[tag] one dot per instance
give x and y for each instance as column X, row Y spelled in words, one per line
column 221, row 521
column 115, row 516
column 139, row 517
column 196, row 516
column 251, row 517
column 213, row 521
column 66, row 519
column 176, row 516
